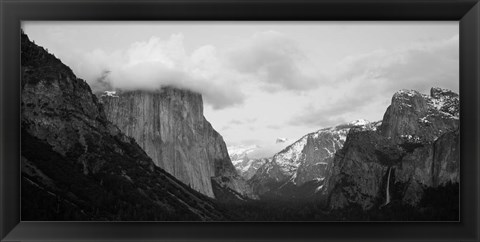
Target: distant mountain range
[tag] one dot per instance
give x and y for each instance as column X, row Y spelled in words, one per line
column 306, row 160
column 151, row 155
column 415, row 147
column 246, row 166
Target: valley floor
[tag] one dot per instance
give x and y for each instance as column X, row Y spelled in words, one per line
column 439, row 204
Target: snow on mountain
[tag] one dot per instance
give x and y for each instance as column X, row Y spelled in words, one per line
column 248, row 167
column 428, row 117
column 445, row 101
column 418, row 140
column 109, row 94
column 245, row 166
column 289, row 158
column 237, row 153
column 441, row 100
column 308, row 158
column 359, row 122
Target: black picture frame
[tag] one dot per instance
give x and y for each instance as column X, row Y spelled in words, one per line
column 12, row 12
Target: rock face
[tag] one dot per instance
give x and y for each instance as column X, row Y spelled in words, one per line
column 246, row 166
column 169, row 125
column 433, row 165
column 306, row 160
column 76, row 165
column 359, row 168
column 413, row 115
column 418, row 140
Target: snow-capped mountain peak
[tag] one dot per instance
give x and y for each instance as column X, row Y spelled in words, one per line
column 109, row 94
column 428, row 117
column 445, row 101
column 307, row 159
column 290, row 158
column 359, row 122
column 241, row 150
column 245, row 166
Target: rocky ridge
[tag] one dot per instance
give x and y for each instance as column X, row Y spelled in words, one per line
column 415, row 147
column 245, row 166
column 305, row 160
column 76, row 165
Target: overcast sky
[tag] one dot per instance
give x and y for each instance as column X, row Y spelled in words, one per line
column 264, row 80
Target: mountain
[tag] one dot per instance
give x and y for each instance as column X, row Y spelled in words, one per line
column 413, row 115
column 239, row 152
column 76, row 165
column 246, row 166
column 169, row 125
column 306, row 161
column 414, row 150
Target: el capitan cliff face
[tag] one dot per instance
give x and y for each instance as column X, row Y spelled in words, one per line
column 76, row 165
column 169, row 125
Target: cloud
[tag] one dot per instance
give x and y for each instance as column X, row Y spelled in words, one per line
column 155, row 63
column 281, row 140
column 236, row 122
column 324, row 116
column 273, row 126
column 418, row 66
column 268, row 61
column 274, row 59
column 365, row 83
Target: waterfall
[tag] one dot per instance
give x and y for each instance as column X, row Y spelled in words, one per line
column 387, row 196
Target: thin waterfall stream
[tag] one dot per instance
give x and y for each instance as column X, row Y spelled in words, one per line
column 387, row 200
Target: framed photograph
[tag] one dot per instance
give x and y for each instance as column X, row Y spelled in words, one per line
column 240, row 120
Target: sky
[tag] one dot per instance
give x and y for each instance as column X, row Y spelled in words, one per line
column 263, row 82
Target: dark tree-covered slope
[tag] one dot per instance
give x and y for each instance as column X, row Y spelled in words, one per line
column 76, row 165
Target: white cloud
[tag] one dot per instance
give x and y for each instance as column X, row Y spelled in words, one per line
column 281, row 140
column 268, row 60
column 156, row 62
column 274, row 59
column 417, row 66
column 364, row 84
column 290, row 79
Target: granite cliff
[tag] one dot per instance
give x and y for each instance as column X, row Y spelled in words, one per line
column 138, row 155
column 415, row 148
column 305, row 162
column 76, row 165
column 412, row 150
column 246, row 166
column 169, row 125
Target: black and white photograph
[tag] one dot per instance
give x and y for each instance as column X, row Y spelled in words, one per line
column 240, row 121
